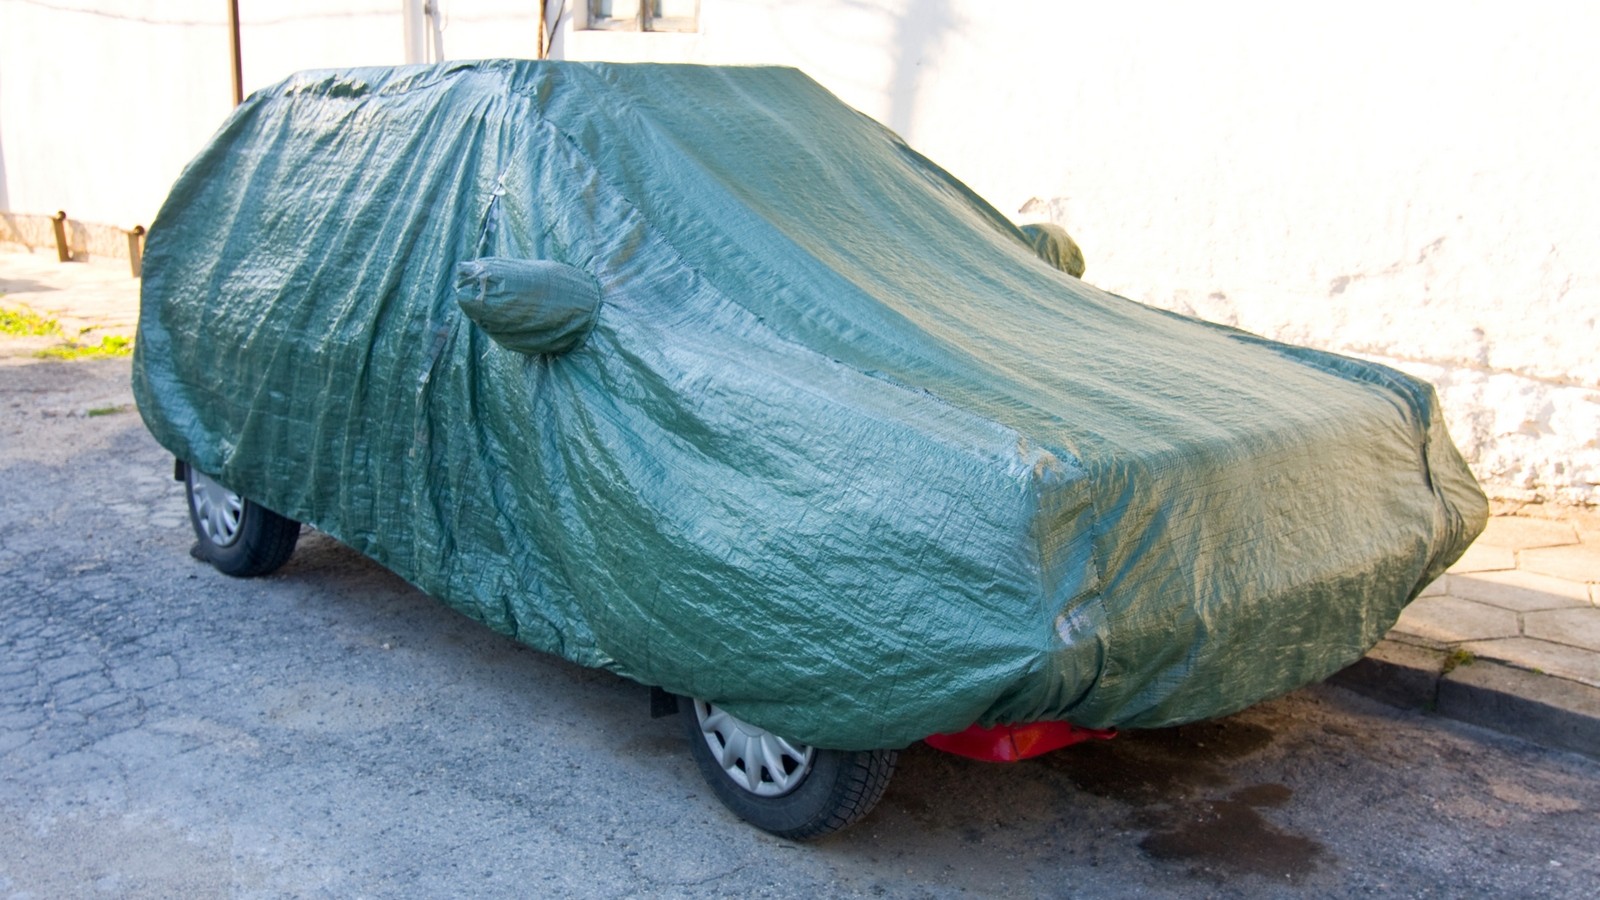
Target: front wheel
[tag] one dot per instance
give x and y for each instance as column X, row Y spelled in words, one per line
column 236, row 536
column 792, row 790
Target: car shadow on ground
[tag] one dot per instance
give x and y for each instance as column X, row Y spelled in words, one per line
column 1169, row 796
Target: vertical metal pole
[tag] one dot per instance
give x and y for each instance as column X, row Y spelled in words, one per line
column 58, row 223
column 233, row 47
column 136, row 250
column 544, row 52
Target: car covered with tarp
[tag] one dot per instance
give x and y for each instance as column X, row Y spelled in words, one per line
column 699, row 376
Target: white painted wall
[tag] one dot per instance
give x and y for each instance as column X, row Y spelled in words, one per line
column 98, row 107
column 1412, row 182
column 102, row 102
column 1408, row 181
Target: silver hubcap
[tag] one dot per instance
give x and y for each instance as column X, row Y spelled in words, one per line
column 216, row 508
column 756, row 759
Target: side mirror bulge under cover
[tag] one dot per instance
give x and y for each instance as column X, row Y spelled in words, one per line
column 532, row 306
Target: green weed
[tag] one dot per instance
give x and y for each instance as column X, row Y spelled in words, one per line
column 26, row 323
column 108, row 410
column 110, row 345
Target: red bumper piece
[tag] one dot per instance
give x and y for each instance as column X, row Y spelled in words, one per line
column 1010, row 743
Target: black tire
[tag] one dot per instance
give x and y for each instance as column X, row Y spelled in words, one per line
column 836, row 789
column 239, row 538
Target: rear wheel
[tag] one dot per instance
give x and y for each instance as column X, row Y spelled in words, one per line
column 236, row 536
column 790, row 789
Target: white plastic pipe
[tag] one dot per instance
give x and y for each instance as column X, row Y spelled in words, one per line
column 414, row 20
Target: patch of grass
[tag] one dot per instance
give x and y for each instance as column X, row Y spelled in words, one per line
column 1459, row 658
column 110, row 345
column 26, row 323
column 108, row 410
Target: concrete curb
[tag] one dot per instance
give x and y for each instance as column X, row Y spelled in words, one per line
column 1550, row 711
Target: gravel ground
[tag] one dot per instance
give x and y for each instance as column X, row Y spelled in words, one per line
column 330, row 731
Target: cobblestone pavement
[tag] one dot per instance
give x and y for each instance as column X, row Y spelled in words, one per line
column 1527, row 593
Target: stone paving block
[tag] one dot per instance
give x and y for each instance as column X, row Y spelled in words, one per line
column 1520, row 532
column 1575, row 562
column 1436, row 587
column 1579, row 627
column 1546, row 710
column 1558, row 660
column 87, row 299
column 1521, row 591
column 1482, row 557
column 1451, row 619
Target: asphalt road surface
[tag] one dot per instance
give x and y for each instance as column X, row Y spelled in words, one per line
column 166, row 731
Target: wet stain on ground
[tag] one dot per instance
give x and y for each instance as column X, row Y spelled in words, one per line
column 1145, row 767
column 1227, row 837
column 1171, row 778
column 1263, row 795
column 1222, row 739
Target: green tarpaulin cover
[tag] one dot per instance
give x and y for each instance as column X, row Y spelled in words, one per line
column 697, row 375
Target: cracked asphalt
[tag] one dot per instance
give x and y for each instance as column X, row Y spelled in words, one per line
column 166, row 731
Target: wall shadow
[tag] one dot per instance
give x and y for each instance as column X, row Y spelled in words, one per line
column 921, row 30
column 5, row 193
